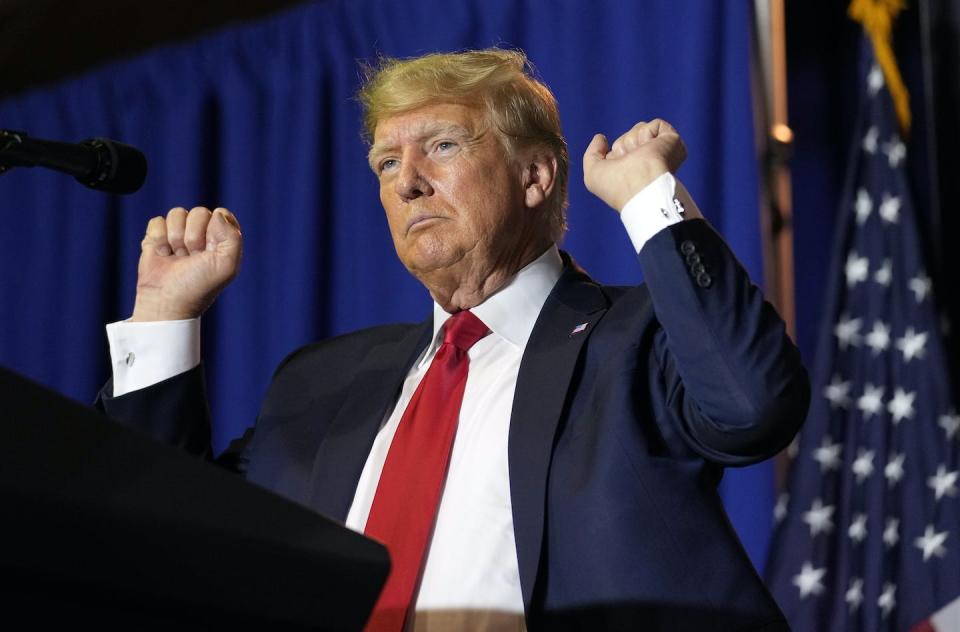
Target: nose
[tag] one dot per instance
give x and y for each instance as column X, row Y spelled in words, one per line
column 411, row 182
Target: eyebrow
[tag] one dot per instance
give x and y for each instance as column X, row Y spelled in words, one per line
column 429, row 130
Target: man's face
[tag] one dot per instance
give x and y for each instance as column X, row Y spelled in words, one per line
column 454, row 199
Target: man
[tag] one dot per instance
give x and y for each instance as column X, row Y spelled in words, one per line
column 578, row 443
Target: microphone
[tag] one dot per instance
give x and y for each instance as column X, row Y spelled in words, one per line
column 98, row 163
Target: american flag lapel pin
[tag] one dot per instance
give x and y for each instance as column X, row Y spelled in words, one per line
column 579, row 328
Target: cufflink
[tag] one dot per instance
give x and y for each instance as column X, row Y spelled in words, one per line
column 679, row 207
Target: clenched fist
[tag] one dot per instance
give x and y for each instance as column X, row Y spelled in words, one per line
column 636, row 159
column 186, row 259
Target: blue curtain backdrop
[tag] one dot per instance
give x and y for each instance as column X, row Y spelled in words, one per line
column 260, row 118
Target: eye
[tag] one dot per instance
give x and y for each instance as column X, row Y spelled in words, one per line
column 445, row 146
column 388, row 165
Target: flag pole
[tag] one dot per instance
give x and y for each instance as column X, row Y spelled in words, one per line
column 776, row 139
column 776, row 202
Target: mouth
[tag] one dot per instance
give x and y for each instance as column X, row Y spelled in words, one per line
column 421, row 220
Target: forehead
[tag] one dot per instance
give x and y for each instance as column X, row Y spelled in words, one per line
column 426, row 121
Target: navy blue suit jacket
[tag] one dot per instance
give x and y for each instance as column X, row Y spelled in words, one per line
column 618, row 436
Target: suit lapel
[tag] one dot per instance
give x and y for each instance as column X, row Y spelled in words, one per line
column 568, row 317
column 343, row 451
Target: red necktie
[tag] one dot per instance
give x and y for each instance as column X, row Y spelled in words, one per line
column 405, row 506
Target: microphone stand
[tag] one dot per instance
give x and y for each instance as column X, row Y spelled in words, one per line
column 64, row 157
column 98, row 163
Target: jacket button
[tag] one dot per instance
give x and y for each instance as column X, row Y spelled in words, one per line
column 704, row 280
column 687, row 247
column 697, row 269
column 693, row 258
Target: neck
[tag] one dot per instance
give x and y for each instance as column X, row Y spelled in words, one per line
column 467, row 285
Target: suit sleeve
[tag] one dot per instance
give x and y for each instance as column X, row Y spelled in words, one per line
column 735, row 383
column 175, row 411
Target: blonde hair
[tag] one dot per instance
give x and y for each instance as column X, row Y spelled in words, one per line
column 522, row 109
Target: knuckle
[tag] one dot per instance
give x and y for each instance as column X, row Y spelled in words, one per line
column 193, row 237
column 175, row 233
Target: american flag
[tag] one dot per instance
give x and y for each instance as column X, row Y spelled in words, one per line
column 868, row 532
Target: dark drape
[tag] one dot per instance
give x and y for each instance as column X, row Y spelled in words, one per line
column 261, row 118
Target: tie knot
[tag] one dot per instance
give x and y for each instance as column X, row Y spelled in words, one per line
column 463, row 330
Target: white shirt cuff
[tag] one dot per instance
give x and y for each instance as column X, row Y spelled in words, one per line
column 661, row 203
column 145, row 353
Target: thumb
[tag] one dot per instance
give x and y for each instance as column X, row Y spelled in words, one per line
column 596, row 150
column 223, row 231
column 595, row 154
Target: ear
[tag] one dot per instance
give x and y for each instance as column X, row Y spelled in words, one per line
column 539, row 176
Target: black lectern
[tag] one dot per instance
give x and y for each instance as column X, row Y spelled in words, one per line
column 105, row 526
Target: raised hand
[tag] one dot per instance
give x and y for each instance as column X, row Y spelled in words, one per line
column 615, row 174
column 186, row 259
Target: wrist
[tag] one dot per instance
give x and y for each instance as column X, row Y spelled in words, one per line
column 639, row 181
column 147, row 309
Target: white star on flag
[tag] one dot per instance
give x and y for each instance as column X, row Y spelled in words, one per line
column 891, row 532
column 871, row 402
column 870, row 141
column 828, row 455
column 884, row 274
column 895, row 150
column 847, row 331
column 780, row 509
column 912, row 344
column 820, row 518
column 858, row 528
column 809, row 580
column 901, row 406
column 863, row 465
column 931, row 543
column 879, row 337
column 950, row 423
column 854, row 595
column 893, row 471
column 874, row 80
column 864, row 204
column 856, row 269
column 889, row 209
column 888, row 599
column 943, row 483
column 920, row 286
column 838, row 392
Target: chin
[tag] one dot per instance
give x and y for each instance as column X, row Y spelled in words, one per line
column 429, row 253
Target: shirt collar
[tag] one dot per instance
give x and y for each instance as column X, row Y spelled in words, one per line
column 512, row 311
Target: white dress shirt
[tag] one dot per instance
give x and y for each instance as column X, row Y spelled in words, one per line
column 472, row 561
